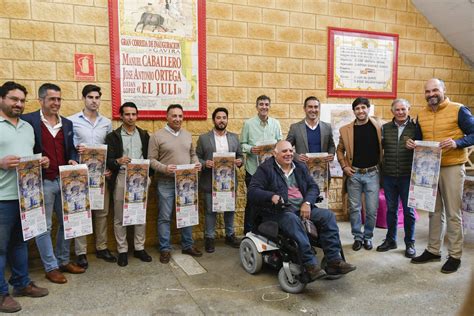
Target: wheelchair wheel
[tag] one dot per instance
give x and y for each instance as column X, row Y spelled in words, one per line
column 294, row 287
column 250, row 257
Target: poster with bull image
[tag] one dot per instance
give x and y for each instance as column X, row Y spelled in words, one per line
column 30, row 196
column 223, row 182
column 136, row 192
column 77, row 216
column 94, row 156
column 266, row 150
column 468, row 209
column 424, row 175
column 319, row 171
column 158, row 56
column 186, row 192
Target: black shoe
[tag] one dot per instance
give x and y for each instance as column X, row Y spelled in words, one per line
column 425, row 257
column 452, row 265
column 82, row 261
column 142, row 255
column 106, row 255
column 387, row 245
column 339, row 267
column 122, row 259
column 368, row 244
column 209, row 245
column 232, row 241
column 315, row 272
column 357, row 245
column 410, row 251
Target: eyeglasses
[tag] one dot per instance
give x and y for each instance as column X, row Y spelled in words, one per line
column 16, row 99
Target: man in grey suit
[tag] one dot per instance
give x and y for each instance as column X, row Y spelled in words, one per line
column 217, row 140
column 311, row 135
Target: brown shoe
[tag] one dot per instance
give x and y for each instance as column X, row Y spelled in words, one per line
column 72, row 268
column 8, row 304
column 193, row 251
column 31, row 290
column 339, row 267
column 165, row 256
column 56, row 276
column 315, row 272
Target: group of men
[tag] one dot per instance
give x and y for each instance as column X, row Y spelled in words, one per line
column 364, row 146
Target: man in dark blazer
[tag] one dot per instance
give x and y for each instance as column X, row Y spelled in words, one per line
column 217, row 140
column 311, row 135
column 54, row 139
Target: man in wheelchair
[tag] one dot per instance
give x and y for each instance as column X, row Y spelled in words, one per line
column 282, row 178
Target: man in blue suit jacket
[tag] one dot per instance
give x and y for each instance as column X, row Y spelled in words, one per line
column 54, row 139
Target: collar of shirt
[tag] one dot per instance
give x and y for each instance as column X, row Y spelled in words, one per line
column 217, row 135
column 401, row 125
column 172, row 131
column 289, row 173
column 99, row 117
column 54, row 130
column 263, row 123
column 311, row 127
column 124, row 132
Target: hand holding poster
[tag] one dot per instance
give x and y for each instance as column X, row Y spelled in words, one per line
column 31, row 198
column 318, row 169
column 424, row 175
column 223, row 182
column 94, row 156
column 77, row 217
column 266, row 150
column 136, row 192
column 186, row 189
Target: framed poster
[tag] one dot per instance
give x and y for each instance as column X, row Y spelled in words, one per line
column 362, row 63
column 158, row 56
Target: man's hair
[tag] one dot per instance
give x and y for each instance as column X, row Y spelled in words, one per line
column 262, row 97
column 174, row 106
column 311, row 98
column 441, row 81
column 360, row 100
column 219, row 110
column 43, row 90
column 90, row 88
column 128, row 105
column 402, row 101
column 9, row 86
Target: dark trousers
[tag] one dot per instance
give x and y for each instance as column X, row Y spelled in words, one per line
column 249, row 216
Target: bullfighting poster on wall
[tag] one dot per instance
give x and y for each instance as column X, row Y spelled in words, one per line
column 31, row 198
column 319, row 170
column 94, row 156
column 158, row 56
column 223, row 182
column 77, row 217
column 266, row 150
column 424, row 175
column 186, row 192
column 136, row 192
column 468, row 195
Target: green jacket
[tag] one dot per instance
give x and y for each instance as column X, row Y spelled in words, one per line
column 397, row 159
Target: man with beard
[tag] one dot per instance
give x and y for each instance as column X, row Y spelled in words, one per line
column 18, row 140
column 359, row 152
column 217, row 140
column 452, row 125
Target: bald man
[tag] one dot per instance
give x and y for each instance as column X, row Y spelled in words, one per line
column 281, row 177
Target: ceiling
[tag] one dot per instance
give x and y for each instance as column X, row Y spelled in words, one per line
column 454, row 19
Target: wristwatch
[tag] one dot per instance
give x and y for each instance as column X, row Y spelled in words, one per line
column 306, row 202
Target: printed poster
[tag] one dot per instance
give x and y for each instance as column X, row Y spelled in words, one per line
column 223, row 182
column 31, row 198
column 424, row 175
column 468, row 208
column 266, row 150
column 74, row 182
column 94, row 156
column 136, row 192
column 186, row 189
column 318, row 169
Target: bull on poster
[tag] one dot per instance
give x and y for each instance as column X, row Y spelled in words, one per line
column 94, row 156
column 318, row 168
column 223, row 182
column 266, row 150
column 136, row 192
column 77, row 217
column 186, row 189
column 424, row 175
column 30, row 196
column 468, row 208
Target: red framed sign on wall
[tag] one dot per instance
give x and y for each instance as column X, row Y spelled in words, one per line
column 362, row 63
column 158, row 56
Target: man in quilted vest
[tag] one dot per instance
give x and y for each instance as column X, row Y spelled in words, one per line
column 451, row 124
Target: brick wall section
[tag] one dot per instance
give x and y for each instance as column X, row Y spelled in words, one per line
column 273, row 47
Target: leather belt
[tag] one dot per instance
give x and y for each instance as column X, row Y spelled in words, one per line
column 365, row 170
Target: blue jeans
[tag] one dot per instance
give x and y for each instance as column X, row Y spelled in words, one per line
column 52, row 201
column 367, row 183
column 395, row 188
column 13, row 250
column 166, row 205
column 211, row 219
